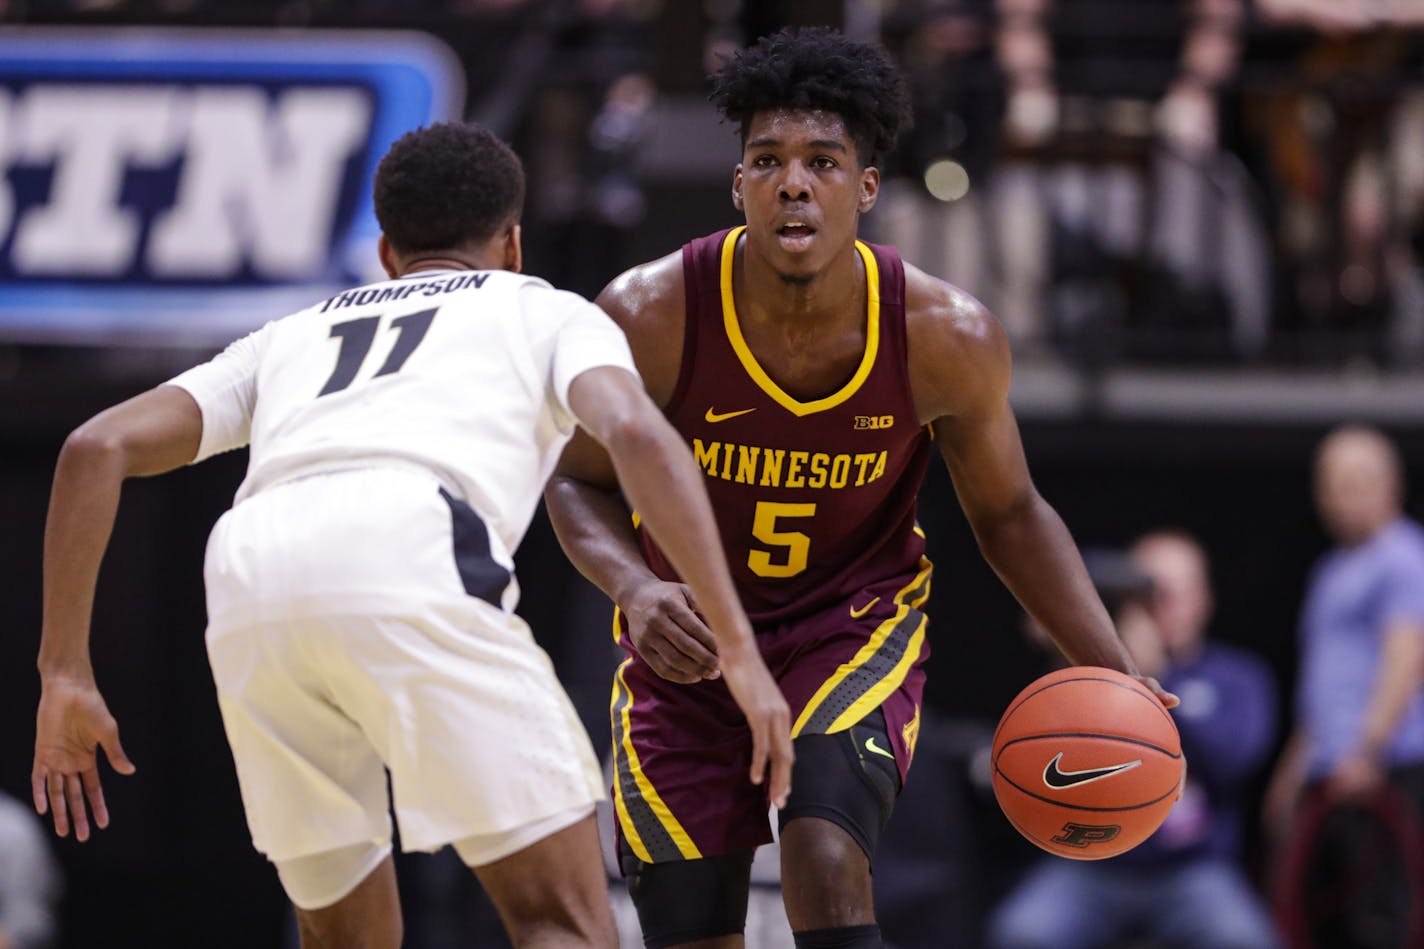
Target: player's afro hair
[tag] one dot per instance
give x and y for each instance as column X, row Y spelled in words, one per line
column 447, row 185
column 818, row 69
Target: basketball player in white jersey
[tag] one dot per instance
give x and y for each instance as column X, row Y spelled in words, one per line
column 360, row 591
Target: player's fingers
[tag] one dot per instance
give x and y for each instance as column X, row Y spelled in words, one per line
column 691, row 624
column 760, row 751
column 79, row 816
column 37, row 790
column 655, row 653
column 55, row 789
column 693, row 656
column 1167, row 699
column 94, row 791
column 782, row 759
column 118, row 760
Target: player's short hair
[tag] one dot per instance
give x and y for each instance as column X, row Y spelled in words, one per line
column 447, row 185
column 818, row 69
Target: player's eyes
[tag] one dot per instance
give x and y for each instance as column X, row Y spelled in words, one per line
column 824, row 162
column 763, row 161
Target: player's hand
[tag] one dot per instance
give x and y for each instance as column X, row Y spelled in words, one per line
column 1355, row 778
column 1167, row 699
column 668, row 633
column 768, row 717
column 72, row 722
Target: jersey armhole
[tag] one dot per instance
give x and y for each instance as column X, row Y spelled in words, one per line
column 690, row 305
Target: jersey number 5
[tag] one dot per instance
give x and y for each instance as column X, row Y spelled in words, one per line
column 796, row 544
column 356, row 338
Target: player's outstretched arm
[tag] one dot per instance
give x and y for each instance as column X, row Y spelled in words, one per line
column 149, row 434
column 663, row 482
column 960, row 372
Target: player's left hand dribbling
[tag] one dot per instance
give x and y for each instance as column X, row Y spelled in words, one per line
column 1167, row 699
column 72, row 722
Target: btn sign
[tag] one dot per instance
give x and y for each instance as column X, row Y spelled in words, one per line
column 204, row 169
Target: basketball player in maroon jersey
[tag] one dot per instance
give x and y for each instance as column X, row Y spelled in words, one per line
column 811, row 374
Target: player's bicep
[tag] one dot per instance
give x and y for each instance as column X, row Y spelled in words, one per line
column 985, row 458
column 604, row 400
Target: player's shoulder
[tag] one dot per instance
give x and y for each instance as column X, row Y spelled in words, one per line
column 959, row 354
column 649, row 298
column 940, row 314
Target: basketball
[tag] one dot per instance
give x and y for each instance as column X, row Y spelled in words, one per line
column 1087, row 763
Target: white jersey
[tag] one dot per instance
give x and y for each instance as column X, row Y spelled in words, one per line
column 462, row 373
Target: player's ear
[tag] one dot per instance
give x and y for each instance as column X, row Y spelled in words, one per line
column 869, row 188
column 514, row 249
column 737, row 187
column 387, row 255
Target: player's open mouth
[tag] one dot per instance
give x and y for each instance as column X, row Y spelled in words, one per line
column 795, row 235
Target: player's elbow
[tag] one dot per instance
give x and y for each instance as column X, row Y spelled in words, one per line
column 635, row 436
column 93, row 443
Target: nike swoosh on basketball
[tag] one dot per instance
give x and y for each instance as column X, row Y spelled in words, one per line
column 1054, row 777
column 714, row 417
column 875, row 749
column 858, row 613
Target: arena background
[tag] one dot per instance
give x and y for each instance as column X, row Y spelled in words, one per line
column 1149, row 395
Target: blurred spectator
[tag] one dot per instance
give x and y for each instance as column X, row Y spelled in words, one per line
column 29, row 880
column 586, row 108
column 932, row 205
column 1119, row 223
column 1184, row 887
column 1340, row 146
column 1360, row 696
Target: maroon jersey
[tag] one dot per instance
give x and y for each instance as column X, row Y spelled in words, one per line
column 815, row 500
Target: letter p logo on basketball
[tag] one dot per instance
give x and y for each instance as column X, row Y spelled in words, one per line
column 1085, row 835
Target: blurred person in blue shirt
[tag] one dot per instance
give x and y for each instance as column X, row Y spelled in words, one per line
column 1360, row 695
column 1184, row 886
column 30, row 881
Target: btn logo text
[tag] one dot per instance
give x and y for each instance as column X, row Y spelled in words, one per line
column 176, row 182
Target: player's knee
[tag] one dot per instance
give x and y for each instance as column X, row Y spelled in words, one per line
column 587, row 929
column 819, row 853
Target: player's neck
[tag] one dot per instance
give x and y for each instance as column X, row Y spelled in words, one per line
column 765, row 296
column 443, row 261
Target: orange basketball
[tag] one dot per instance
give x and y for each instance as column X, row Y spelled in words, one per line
column 1087, row 763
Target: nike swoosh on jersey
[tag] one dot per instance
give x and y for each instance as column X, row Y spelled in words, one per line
column 875, row 749
column 714, row 417
column 1056, row 778
column 858, row 613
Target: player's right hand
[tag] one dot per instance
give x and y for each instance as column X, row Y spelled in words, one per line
column 668, row 633
column 768, row 717
column 72, row 722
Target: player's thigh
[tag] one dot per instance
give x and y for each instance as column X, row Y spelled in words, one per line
column 699, row 903
column 465, row 709
column 553, row 885
column 366, row 916
column 311, row 781
column 849, row 779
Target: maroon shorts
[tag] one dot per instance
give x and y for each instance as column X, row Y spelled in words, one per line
column 682, row 753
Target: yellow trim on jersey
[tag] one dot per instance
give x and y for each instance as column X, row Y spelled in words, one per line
column 749, row 360
column 877, row 639
column 881, row 690
column 646, row 791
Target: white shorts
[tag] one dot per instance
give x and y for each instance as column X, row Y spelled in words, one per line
column 343, row 643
